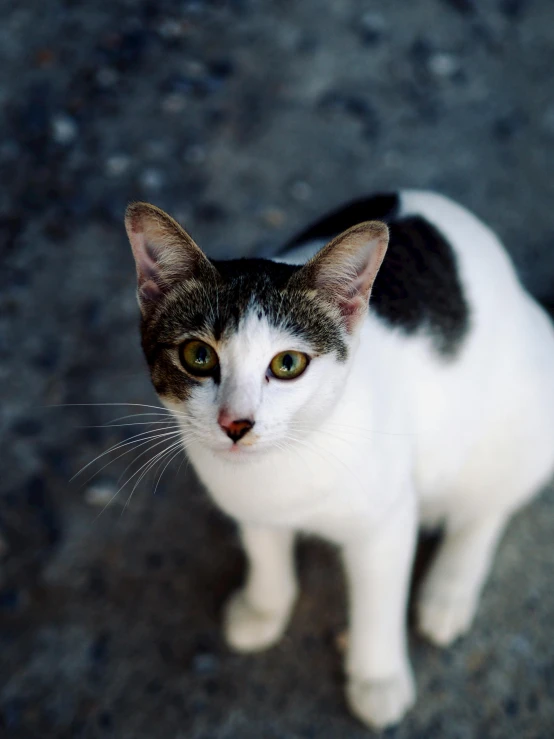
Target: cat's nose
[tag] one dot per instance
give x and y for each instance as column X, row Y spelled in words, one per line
column 235, row 430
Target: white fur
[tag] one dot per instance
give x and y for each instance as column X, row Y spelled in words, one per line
column 361, row 453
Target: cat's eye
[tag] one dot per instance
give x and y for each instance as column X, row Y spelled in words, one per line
column 288, row 365
column 198, row 358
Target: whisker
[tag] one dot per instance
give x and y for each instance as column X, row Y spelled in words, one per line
column 121, row 488
column 185, row 459
column 320, row 451
column 128, row 451
column 326, row 495
column 107, row 405
column 296, row 427
column 139, row 415
column 111, row 425
column 181, row 443
column 145, row 434
column 165, row 416
column 148, row 465
column 179, row 451
column 141, row 454
column 292, row 447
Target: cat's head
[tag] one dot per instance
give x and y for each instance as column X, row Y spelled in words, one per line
column 249, row 354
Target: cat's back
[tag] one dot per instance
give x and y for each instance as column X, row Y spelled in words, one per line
column 453, row 333
column 439, row 269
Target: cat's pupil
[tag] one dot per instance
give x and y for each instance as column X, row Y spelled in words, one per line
column 288, row 362
column 201, row 355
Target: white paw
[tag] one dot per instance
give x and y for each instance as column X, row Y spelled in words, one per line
column 249, row 630
column 381, row 703
column 443, row 616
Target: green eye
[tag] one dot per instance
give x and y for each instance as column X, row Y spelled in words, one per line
column 288, row 365
column 198, row 358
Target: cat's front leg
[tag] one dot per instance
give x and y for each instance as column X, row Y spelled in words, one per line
column 257, row 615
column 380, row 684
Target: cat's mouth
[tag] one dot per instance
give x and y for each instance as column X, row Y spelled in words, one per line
column 238, row 451
column 243, row 450
column 237, row 455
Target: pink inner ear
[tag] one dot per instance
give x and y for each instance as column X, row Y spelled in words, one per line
column 350, row 276
column 355, row 296
column 148, row 271
column 150, row 290
column 146, row 265
column 351, row 309
column 163, row 252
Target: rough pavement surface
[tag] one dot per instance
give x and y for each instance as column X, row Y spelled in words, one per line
column 244, row 119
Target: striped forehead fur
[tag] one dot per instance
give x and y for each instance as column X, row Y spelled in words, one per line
column 213, row 308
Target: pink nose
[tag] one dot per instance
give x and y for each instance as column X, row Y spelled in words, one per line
column 235, row 429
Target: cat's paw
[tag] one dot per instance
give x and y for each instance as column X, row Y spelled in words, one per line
column 381, row 703
column 443, row 616
column 250, row 630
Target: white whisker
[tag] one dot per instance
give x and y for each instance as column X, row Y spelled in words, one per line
column 320, row 453
column 179, row 451
column 139, row 415
column 107, row 405
column 314, row 430
column 148, row 465
column 153, row 446
column 128, row 451
column 138, row 437
column 111, row 425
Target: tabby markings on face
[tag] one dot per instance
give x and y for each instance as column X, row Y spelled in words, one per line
column 246, row 350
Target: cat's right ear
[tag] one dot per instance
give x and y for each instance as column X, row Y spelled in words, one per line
column 164, row 253
column 343, row 272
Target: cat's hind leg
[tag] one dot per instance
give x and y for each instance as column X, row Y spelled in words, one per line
column 257, row 615
column 492, row 487
column 449, row 594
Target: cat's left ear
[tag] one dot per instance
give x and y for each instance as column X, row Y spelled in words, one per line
column 164, row 253
column 345, row 269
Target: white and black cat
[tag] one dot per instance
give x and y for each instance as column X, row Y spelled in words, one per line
column 304, row 408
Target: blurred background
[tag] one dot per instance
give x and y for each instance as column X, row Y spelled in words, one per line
column 245, row 120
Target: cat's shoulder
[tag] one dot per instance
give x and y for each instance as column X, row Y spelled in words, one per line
column 419, row 285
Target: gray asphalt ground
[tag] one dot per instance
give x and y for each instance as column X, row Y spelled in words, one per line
column 245, row 119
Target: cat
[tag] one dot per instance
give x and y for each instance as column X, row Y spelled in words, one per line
column 386, row 371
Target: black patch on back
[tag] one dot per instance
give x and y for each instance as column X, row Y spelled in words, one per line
column 377, row 208
column 418, row 286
